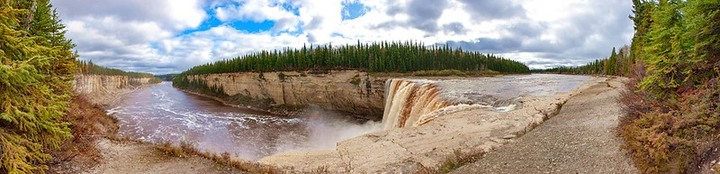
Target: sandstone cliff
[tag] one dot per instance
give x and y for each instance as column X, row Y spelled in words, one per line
column 347, row 90
column 105, row 89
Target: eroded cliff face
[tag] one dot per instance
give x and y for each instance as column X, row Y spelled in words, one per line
column 105, row 89
column 346, row 90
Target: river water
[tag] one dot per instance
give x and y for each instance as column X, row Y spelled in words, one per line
column 162, row 113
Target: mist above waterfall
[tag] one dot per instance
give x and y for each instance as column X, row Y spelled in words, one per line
column 326, row 128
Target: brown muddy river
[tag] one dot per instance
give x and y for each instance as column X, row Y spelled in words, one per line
column 161, row 113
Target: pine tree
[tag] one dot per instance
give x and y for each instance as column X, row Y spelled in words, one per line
column 642, row 18
column 612, row 63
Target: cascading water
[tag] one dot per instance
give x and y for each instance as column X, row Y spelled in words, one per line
column 406, row 102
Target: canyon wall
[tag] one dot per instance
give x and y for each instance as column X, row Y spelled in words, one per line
column 105, row 89
column 344, row 90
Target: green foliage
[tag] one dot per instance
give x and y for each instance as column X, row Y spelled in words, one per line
column 703, row 34
column 682, row 47
column 666, row 50
column 642, row 13
column 36, row 65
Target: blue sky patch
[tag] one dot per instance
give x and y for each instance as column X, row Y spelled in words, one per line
column 252, row 26
column 241, row 25
column 352, row 10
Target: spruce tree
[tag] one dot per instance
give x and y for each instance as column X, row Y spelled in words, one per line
column 704, row 38
column 664, row 52
column 36, row 65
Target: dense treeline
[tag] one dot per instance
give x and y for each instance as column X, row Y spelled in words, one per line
column 87, row 67
column 619, row 63
column 166, row 77
column 673, row 120
column 375, row 57
column 36, row 66
column 199, row 86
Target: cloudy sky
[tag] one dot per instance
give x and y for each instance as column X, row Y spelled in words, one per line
column 169, row 36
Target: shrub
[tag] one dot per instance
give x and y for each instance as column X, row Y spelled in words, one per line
column 186, row 149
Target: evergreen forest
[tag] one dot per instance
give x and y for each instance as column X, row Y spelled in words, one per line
column 375, row 57
column 88, row 67
column 619, row 64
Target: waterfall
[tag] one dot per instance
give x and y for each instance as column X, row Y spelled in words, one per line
column 406, row 102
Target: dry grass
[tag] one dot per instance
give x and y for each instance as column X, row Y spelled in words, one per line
column 89, row 123
column 452, row 162
column 185, row 150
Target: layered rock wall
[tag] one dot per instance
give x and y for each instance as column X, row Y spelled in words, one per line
column 346, row 90
column 105, row 89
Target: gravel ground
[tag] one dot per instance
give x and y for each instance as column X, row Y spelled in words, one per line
column 580, row 139
column 131, row 157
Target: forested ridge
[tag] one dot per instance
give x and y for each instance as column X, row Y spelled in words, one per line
column 374, row 57
column 88, row 67
column 36, row 66
column 618, row 63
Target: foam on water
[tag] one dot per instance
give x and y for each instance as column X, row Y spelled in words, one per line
column 114, row 110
